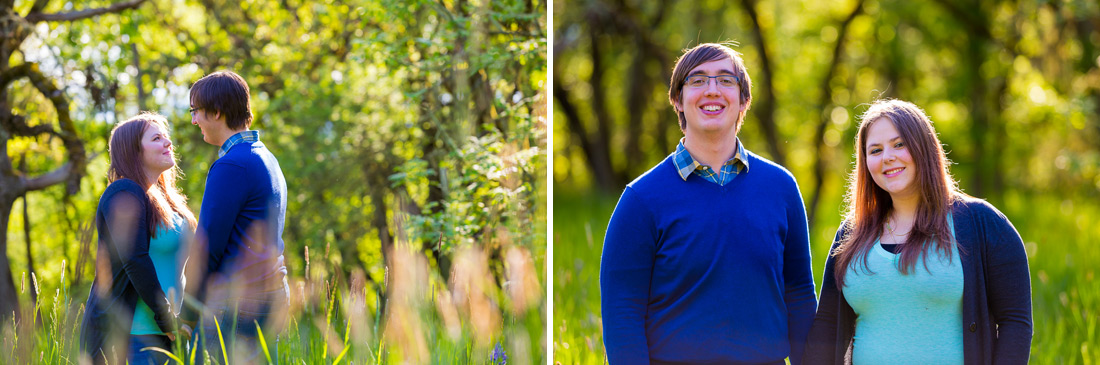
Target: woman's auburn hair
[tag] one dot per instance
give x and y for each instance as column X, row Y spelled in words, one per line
column 125, row 151
column 869, row 204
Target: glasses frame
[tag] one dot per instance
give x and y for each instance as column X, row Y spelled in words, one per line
column 737, row 81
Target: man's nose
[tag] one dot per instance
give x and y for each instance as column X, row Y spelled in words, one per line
column 712, row 87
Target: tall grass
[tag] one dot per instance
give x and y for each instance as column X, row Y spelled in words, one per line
column 428, row 318
column 1061, row 237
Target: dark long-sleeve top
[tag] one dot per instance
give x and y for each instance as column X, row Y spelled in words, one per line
column 997, row 324
column 696, row 272
column 241, row 223
column 124, row 273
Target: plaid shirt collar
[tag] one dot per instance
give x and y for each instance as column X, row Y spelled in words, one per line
column 242, row 137
column 686, row 165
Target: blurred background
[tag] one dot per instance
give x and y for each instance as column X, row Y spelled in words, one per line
column 412, row 135
column 1013, row 88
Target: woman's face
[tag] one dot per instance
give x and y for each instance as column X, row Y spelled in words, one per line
column 156, row 150
column 888, row 159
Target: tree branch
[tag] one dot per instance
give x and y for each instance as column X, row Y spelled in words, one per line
column 17, row 125
column 38, row 6
column 48, row 179
column 83, row 14
column 73, row 145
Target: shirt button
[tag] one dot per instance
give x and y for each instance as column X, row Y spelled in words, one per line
column 973, row 326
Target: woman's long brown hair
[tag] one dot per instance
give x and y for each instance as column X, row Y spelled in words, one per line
column 125, row 152
column 869, row 204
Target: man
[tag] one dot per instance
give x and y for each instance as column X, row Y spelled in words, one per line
column 707, row 257
column 241, row 219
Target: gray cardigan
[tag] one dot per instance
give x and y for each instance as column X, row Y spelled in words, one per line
column 996, row 326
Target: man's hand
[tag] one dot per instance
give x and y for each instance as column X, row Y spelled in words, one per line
column 184, row 334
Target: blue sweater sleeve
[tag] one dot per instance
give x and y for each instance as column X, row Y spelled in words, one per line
column 1008, row 285
column 129, row 233
column 626, row 268
column 822, row 342
column 798, row 277
column 225, row 195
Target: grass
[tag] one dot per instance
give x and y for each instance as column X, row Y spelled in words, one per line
column 330, row 321
column 1060, row 236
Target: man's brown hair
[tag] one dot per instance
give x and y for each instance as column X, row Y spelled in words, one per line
column 224, row 92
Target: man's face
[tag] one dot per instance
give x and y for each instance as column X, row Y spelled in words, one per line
column 713, row 106
column 206, row 120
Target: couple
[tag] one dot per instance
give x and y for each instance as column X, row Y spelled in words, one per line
column 707, row 258
column 235, row 267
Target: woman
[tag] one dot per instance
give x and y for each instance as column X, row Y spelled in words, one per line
column 143, row 222
column 919, row 272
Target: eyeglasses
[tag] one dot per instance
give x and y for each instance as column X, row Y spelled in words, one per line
column 701, row 81
column 193, row 110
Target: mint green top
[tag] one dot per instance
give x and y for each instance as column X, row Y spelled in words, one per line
column 166, row 250
column 907, row 319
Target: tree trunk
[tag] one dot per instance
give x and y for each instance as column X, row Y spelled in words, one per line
column 979, row 127
column 825, row 154
column 766, row 107
column 30, row 255
column 9, row 297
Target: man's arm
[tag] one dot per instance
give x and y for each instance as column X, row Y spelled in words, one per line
column 626, row 267
column 225, row 195
column 798, row 278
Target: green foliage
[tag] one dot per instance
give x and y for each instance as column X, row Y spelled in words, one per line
column 346, row 95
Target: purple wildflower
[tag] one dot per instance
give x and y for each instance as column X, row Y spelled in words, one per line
column 498, row 357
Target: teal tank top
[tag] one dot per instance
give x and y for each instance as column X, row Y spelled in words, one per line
column 907, row 319
column 166, row 250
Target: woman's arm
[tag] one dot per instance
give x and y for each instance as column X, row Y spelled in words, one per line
column 128, row 232
column 822, row 343
column 1008, row 286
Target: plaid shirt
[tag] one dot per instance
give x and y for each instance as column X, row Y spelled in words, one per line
column 686, row 165
column 246, row 136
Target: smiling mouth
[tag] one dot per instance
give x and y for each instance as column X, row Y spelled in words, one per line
column 712, row 108
column 893, row 172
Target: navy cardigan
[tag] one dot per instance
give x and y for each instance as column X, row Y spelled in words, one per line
column 997, row 324
column 124, row 274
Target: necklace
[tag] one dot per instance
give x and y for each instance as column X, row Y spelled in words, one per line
column 890, row 229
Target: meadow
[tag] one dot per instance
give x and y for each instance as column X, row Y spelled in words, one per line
column 335, row 319
column 1060, row 237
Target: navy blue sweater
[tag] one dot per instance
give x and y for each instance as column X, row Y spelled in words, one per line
column 694, row 272
column 996, row 326
column 242, row 216
column 122, row 220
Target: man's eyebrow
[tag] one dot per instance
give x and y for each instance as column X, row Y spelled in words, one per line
column 720, row 72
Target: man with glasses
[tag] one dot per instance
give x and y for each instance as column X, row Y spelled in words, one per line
column 240, row 277
column 707, row 258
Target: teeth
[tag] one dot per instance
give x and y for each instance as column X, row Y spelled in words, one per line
column 891, row 171
column 712, row 108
